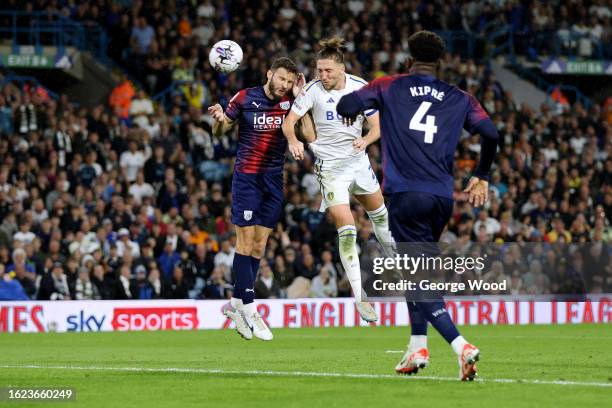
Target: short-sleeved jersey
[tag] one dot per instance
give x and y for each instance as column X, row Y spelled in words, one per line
column 261, row 144
column 421, row 121
column 334, row 139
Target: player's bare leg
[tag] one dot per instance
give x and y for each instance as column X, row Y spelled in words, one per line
column 260, row 240
column 374, row 205
column 347, row 238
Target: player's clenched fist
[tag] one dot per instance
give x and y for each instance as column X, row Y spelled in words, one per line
column 296, row 148
column 216, row 111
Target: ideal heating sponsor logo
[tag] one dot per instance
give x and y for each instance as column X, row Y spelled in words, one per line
column 266, row 121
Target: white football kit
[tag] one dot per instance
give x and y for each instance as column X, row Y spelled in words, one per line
column 340, row 168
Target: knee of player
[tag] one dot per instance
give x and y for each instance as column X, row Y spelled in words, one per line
column 245, row 247
column 258, row 249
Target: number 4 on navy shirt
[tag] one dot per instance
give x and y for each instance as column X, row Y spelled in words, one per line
column 421, row 120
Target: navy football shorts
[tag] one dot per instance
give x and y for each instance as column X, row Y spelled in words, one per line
column 257, row 198
column 418, row 217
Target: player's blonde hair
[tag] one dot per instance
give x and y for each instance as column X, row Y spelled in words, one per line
column 332, row 48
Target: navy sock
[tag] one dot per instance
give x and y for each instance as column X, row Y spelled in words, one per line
column 255, row 267
column 439, row 318
column 418, row 324
column 244, row 278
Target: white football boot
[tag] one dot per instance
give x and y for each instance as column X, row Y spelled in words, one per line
column 236, row 316
column 260, row 328
column 366, row 311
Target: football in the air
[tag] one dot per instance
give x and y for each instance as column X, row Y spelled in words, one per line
column 225, row 56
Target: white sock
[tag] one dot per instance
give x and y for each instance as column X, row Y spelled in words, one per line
column 458, row 344
column 236, row 303
column 347, row 238
column 417, row 342
column 249, row 309
column 380, row 223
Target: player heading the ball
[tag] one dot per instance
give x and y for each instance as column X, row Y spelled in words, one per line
column 257, row 184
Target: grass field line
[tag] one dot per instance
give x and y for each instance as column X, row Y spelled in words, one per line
column 538, row 337
column 269, row 373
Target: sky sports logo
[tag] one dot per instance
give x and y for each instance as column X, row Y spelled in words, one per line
column 155, row 318
column 267, row 122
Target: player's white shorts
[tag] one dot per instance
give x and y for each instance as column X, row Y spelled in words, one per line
column 338, row 179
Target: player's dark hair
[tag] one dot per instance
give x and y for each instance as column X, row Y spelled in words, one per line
column 332, row 48
column 426, row 46
column 284, row 62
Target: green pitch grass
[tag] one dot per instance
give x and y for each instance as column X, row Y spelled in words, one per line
column 313, row 368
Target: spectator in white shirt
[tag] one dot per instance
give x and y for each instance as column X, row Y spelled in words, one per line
column 491, row 225
column 140, row 108
column 141, row 189
column 132, row 161
column 152, row 127
column 206, row 9
column 286, row 11
column 24, row 235
column 323, row 285
column 226, row 257
column 204, row 31
column 125, row 244
column 40, row 213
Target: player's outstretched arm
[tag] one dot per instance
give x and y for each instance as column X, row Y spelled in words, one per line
column 222, row 123
column 373, row 133
column 296, row 148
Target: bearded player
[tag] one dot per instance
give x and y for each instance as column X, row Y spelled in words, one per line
column 257, row 184
column 342, row 166
column 422, row 119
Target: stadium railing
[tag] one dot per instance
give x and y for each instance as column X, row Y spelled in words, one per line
column 578, row 95
column 546, row 86
column 494, row 48
column 165, row 96
column 40, row 29
column 459, row 42
column 550, row 44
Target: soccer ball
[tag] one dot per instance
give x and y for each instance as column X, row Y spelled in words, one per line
column 225, row 56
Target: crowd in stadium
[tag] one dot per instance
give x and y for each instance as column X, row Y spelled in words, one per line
column 130, row 199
